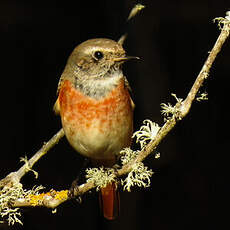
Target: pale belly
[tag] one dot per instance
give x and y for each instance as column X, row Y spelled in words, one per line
column 100, row 140
column 98, row 129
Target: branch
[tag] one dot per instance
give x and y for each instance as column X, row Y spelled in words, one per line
column 182, row 107
column 51, row 199
column 44, row 149
column 181, row 110
column 204, row 73
column 129, row 163
column 15, row 177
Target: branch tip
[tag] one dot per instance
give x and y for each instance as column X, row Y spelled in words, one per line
column 136, row 9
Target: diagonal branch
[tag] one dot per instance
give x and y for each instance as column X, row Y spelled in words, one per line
column 184, row 106
column 52, row 199
column 15, row 177
column 44, row 149
column 204, row 73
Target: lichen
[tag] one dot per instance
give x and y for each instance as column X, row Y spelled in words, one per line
column 223, row 21
column 202, row 97
column 8, row 195
column 227, row 15
column 146, row 133
column 138, row 176
column 100, row 176
column 170, row 110
column 37, row 199
column 127, row 155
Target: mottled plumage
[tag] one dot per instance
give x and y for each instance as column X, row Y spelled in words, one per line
column 95, row 106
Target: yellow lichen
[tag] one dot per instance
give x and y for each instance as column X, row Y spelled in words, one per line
column 36, row 200
column 61, row 195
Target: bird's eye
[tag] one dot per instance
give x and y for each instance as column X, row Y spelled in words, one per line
column 98, row 55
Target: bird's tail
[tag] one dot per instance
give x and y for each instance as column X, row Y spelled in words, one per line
column 110, row 201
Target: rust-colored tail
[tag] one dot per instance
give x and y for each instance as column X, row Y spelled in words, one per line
column 110, row 201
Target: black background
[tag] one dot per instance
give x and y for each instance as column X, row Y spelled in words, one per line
column 189, row 188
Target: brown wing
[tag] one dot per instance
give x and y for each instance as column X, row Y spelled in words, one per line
column 56, row 107
column 130, row 91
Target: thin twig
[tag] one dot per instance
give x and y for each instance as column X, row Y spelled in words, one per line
column 14, row 177
column 44, row 149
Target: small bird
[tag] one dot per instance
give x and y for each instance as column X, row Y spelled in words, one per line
column 96, row 108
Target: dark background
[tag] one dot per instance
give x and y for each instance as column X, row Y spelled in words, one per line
column 189, row 188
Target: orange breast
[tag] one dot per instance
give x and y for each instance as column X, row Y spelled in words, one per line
column 96, row 128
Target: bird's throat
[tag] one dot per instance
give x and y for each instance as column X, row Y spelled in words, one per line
column 99, row 87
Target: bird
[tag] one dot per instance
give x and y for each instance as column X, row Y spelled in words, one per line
column 96, row 108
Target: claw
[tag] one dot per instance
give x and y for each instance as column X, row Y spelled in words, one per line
column 73, row 191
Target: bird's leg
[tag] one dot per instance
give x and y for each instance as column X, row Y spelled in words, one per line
column 73, row 190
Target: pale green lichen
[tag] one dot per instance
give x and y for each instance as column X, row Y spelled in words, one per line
column 222, row 21
column 157, row 155
column 138, row 176
column 7, row 196
column 128, row 155
column 146, row 133
column 228, row 15
column 205, row 74
column 100, row 176
column 202, row 97
column 12, row 214
column 170, row 110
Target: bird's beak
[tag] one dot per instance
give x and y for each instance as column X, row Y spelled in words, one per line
column 125, row 58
